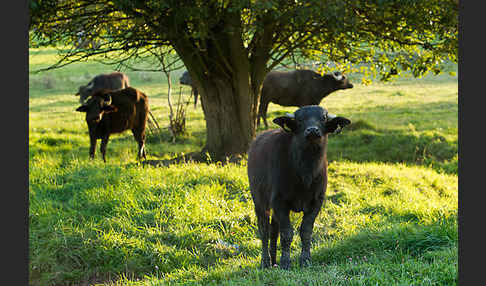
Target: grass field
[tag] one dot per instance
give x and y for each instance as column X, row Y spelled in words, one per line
column 390, row 216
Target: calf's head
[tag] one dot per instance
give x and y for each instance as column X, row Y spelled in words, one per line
column 96, row 106
column 311, row 123
column 341, row 81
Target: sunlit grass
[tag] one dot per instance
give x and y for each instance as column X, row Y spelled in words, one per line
column 390, row 217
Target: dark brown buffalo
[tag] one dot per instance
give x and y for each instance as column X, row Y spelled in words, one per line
column 112, row 81
column 187, row 80
column 298, row 88
column 287, row 171
column 109, row 112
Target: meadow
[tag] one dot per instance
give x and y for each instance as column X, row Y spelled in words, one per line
column 390, row 217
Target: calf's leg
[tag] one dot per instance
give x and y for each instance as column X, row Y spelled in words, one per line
column 194, row 90
column 263, row 229
column 305, row 231
column 274, row 229
column 92, row 146
column 262, row 112
column 140, row 138
column 286, row 234
column 104, row 142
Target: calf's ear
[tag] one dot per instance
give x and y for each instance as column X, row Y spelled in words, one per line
column 336, row 124
column 109, row 108
column 82, row 108
column 287, row 122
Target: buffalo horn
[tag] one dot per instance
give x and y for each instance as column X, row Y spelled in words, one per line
column 337, row 75
column 107, row 99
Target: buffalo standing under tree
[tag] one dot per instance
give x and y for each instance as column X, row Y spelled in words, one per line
column 187, row 80
column 298, row 88
column 109, row 112
column 111, row 81
column 287, row 171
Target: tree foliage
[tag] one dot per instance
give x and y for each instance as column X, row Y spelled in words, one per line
column 389, row 36
column 228, row 46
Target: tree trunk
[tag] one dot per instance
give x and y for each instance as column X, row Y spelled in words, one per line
column 230, row 109
column 230, row 125
column 229, row 84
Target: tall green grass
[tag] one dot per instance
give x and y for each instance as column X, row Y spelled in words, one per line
column 390, row 217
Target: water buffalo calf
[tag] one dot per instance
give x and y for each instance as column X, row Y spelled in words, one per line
column 112, row 81
column 187, row 80
column 109, row 112
column 298, row 88
column 287, row 171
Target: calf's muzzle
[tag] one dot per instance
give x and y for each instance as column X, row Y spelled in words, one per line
column 312, row 132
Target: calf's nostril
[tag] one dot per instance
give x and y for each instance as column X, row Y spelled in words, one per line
column 312, row 132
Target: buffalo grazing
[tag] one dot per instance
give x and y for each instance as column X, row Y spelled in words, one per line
column 298, row 88
column 187, row 80
column 111, row 81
